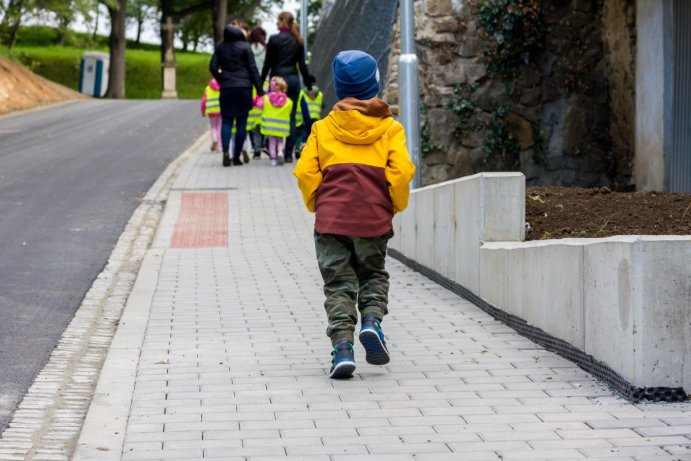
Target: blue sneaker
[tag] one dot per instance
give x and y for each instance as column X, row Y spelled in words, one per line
column 372, row 339
column 343, row 362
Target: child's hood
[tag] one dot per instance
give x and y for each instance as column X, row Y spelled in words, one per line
column 214, row 85
column 355, row 121
column 278, row 99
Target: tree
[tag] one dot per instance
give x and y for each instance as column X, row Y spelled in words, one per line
column 220, row 13
column 117, row 9
column 66, row 12
column 139, row 11
column 11, row 20
column 195, row 29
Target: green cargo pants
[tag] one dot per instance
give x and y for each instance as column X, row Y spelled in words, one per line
column 353, row 272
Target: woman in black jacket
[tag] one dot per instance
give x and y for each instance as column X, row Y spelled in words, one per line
column 285, row 54
column 233, row 67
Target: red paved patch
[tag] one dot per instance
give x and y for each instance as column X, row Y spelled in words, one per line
column 203, row 221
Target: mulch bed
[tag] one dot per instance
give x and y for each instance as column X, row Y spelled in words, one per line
column 562, row 212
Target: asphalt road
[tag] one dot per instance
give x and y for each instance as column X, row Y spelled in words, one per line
column 70, row 178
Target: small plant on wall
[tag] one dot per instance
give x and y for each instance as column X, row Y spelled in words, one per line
column 501, row 148
column 516, row 31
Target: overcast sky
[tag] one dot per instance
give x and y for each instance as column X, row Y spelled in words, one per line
column 150, row 33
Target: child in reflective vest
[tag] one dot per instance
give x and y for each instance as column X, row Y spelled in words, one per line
column 275, row 122
column 310, row 106
column 211, row 107
column 254, row 122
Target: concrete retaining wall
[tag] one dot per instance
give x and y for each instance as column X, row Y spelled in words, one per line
column 624, row 300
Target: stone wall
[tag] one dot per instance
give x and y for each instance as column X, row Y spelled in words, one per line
column 567, row 116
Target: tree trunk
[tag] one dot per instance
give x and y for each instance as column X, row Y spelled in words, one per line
column 11, row 22
column 63, row 25
column 98, row 18
column 116, row 76
column 139, row 30
column 220, row 12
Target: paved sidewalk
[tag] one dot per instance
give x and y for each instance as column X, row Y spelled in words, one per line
column 233, row 365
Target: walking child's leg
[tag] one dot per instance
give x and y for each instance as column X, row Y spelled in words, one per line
column 215, row 121
column 273, row 147
column 281, row 145
column 340, row 285
column 256, row 137
column 373, row 294
column 369, row 260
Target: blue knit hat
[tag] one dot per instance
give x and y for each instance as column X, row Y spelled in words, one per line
column 355, row 75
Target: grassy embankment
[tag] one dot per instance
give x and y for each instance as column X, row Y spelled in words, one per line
column 36, row 49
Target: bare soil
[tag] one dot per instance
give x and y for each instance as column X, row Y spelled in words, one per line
column 22, row 89
column 564, row 212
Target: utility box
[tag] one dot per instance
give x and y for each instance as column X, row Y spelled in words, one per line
column 93, row 73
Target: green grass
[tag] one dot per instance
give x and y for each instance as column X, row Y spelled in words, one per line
column 36, row 50
column 142, row 71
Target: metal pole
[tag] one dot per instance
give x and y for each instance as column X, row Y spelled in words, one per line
column 409, row 88
column 303, row 24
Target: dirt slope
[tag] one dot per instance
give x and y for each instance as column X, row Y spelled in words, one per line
column 22, row 89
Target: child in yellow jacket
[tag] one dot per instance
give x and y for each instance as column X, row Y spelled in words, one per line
column 354, row 173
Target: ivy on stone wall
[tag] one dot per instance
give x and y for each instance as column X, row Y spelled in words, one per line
column 516, row 30
column 501, row 147
column 427, row 145
column 462, row 107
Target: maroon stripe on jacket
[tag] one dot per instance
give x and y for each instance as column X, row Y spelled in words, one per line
column 353, row 199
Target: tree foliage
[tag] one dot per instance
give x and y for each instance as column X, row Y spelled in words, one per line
column 139, row 12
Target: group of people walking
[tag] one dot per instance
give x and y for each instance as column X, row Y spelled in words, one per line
column 239, row 99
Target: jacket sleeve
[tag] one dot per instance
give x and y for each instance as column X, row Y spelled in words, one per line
column 254, row 73
column 308, row 172
column 269, row 59
column 302, row 65
column 213, row 67
column 399, row 169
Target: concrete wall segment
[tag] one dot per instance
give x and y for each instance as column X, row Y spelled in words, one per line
column 504, row 213
column 624, row 300
column 498, row 284
column 662, row 281
column 425, row 222
column 542, row 284
column 444, row 231
column 468, row 231
column 609, row 316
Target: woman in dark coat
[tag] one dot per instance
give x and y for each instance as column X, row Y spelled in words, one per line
column 285, row 54
column 233, row 67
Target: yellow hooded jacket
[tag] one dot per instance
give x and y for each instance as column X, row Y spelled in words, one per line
column 355, row 169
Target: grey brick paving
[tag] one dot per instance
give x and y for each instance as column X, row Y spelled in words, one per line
column 234, row 361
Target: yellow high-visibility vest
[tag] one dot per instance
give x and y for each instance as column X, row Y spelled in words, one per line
column 255, row 117
column 213, row 101
column 276, row 120
column 314, row 106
